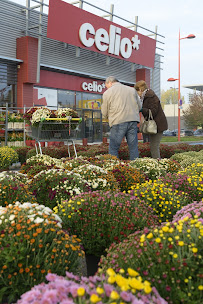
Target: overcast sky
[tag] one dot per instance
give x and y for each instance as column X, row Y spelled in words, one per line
column 169, row 16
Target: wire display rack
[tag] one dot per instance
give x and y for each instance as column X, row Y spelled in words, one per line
column 56, row 129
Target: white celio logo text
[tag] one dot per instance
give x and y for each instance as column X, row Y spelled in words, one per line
column 108, row 41
column 94, row 87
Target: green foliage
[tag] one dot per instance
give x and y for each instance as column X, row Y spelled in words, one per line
column 108, row 288
column 50, row 187
column 170, row 97
column 13, row 188
column 184, row 183
column 101, row 218
column 97, row 177
column 73, row 163
column 32, row 244
column 32, row 170
column 193, row 210
column 7, row 157
column 38, row 163
column 127, row 177
column 22, row 153
column 169, row 256
column 154, row 168
column 165, row 201
column 148, row 166
column 186, row 159
column 193, row 115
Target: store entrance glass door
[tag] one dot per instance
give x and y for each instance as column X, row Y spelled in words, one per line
column 92, row 125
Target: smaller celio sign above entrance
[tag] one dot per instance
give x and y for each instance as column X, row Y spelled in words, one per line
column 80, row 28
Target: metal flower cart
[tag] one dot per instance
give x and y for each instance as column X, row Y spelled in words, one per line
column 56, row 129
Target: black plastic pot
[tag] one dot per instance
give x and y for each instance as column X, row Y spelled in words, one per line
column 92, row 262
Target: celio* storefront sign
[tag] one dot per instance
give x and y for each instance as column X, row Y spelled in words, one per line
column 93, row 86
column 111, row 42
column 78, row 27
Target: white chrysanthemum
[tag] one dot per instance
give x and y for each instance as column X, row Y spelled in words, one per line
column 47, row 160
column 59, row 225
column 2, row 210
column 38, row 220
column 25, row 205
column 11, row 217
column 39, row 114
column 57, row 218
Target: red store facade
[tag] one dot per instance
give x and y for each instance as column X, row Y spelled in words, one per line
column 64, row 62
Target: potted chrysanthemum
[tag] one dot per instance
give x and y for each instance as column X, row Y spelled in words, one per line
column 32, row 245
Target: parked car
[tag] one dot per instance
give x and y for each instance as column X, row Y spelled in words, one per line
column 183, row 132
column 186, row 133
column 175, row 131
column 198, row 132
column 168, row 133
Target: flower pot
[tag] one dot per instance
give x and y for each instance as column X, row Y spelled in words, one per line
column 84, row 141
column 10, row 125
column 92, row 262
column 42, row 143
column 10, row 143
column 16, row 125
column 27, row 142
column 51, row 143
column 32, row 143
column 17, row 143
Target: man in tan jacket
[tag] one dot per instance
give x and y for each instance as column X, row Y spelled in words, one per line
column 121, row 106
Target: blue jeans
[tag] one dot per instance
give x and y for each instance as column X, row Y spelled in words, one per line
column 128, row 130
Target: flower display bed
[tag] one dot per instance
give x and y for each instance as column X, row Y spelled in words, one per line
column 144, row 218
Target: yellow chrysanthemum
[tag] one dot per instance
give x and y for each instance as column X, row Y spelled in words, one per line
column 114, row 295
column 81, row 291
column 136, row 284
column 111, row 280
column 99, row 290
column 94, row 298
column 150, row 236
column 110, row 272
column 132, row 272
column 181, row 243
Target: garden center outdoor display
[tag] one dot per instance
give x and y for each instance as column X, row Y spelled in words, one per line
column 142, row 219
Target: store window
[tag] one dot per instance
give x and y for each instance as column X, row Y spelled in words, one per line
column 6, row 94
column 66, row 98
column 45, row 97
column 90, row 101
column 79, row 102
column 7, row 84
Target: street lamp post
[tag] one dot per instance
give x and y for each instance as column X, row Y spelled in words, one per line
column 174, row 79
column 174, row 98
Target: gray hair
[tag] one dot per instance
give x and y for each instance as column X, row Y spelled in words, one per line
column 111, row 79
